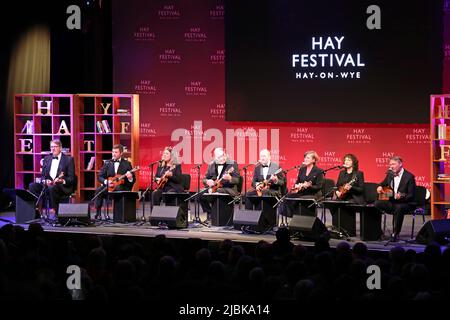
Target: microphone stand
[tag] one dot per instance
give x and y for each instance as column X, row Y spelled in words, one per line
column 143, row 195
column 44, row 189
column 105, row 188
column 283, row 197
column 196, row 203
column 245, row 181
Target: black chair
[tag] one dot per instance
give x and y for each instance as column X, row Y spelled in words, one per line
column 327, row 188
column 421, row 199
column 328, row 185
column 240, row 184
column 69, row 198
column 370, row 192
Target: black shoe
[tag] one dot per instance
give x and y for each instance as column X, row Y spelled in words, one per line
column 394, row 237
column 98, row 216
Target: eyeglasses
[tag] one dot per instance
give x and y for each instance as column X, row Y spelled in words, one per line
column 51, row 147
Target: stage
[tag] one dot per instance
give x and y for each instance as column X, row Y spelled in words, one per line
column 199, row 231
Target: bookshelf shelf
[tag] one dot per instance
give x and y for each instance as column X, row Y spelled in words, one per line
column 440, row 149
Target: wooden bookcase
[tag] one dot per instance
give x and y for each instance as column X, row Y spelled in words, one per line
column 72, row 118
column 440, row 155
column 39, row 118
column 96, row 143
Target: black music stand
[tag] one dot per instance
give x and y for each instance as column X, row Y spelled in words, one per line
column 369, row 221
column 124, row 209
column 303, row 204
column 344, row 219
column 25, row 204
column 222, row 211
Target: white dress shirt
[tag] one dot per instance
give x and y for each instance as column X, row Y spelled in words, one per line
column 54, row 167
column 397, row 179
column 265, row 171
column 219, row 169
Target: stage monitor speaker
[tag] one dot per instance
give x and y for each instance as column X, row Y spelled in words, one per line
column 250, row 220
column 307, row 228
column 173, row 217
column 71, row 212
column 434, row 230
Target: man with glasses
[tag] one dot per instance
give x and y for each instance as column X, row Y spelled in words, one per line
column 58, row 175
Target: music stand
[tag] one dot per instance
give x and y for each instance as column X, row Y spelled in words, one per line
column 302, row 204
column 345, row 220
column 369, row 221
column 124, row 208
column 221, row 212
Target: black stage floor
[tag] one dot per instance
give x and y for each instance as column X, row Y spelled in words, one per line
column 219, row 233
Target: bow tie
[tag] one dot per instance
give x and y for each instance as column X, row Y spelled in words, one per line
column 56, row 158
column 264, row 166
column 115, row 160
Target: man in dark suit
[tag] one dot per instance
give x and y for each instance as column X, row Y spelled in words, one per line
column 264, row 180
column 58, row 175
column 403, row 185
column 116, row 166
column 220, row 168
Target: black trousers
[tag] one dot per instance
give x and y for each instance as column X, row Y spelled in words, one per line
column 397, row 209
column 54, row 193
column 157, row 196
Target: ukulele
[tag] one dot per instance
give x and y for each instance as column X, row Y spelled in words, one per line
column 114, row 182
column 387, row 193
column 344, row 191
column 163, row 180
column 302, row 187
column 57, row 180
column 264, row 185
column 218, row 182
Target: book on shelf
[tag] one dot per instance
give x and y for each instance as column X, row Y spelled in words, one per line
column 122, row 111
column 91, row 163
column 99, row 127
column 442, row 131
column 106, row 126
column 28, row 128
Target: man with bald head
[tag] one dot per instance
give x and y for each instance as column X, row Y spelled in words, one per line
column 220, row 168
column 265, row 180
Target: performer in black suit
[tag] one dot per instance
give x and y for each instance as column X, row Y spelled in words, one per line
column 403, row 184
column 308, row 185
column 265, row 180
column 116, row 166
column 216, row 170
column 350, row 186
column 58, row 174
column 170, row 168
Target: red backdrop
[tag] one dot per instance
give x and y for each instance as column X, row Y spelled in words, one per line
column 172, row 54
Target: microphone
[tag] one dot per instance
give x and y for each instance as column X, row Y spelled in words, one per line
column 198, row 166
column 389, row 171
column 251, row 164
column 155, row 162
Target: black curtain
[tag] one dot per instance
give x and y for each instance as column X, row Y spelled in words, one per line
column 81, row 60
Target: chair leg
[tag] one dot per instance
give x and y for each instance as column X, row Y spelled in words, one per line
column 413, row 222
